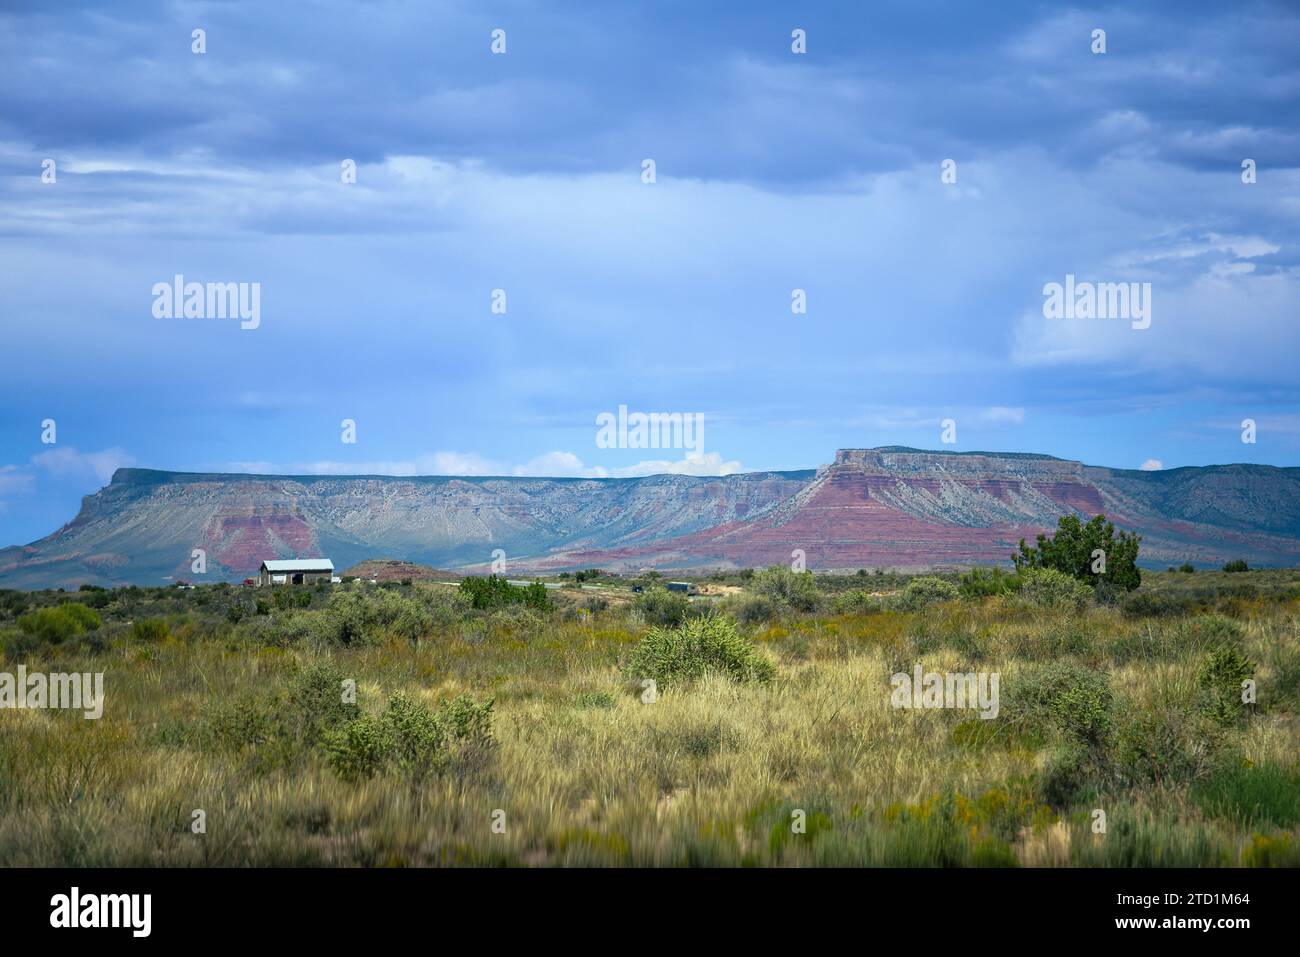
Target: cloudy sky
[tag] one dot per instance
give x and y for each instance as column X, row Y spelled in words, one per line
column 523, row 172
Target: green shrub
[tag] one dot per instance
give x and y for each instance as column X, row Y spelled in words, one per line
column 1266, row 795
column 19, row 644
column 283, row 724
column 1076, row 701
column 1049, row 588
column 245, row 720
column 985, row 582
column 680, row 655
column 14, row 603
column 1206, row 632
column 149, row 630
column 1187, row 568
column 594, row 699
column 1236, row 565
column 55, row 625
column 754, row 609
column 411, row 739
column 1067, row 773
column 401, row 617
column 855, row 601
column 659, row 606
column 291, row 597
column 358, row 749
column 1166, row 747
column 313, row 628
column 494, row 592
column 1072, row 551
column 316, row 700
column 446, row 606
column 797, row 590
column 83, row 616
column 1219, row 683
column 926, row 590
column 1148, row 604
column 353, row 616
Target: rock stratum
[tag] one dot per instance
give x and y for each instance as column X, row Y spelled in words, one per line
column 884, row 507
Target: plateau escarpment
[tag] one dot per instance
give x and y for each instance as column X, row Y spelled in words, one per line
column 889, row 507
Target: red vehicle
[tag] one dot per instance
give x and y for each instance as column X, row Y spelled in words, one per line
column 250, row 582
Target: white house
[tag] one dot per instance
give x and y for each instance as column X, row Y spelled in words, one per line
column 296, row 571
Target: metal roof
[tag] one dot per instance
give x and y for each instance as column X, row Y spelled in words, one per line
column 299, row 565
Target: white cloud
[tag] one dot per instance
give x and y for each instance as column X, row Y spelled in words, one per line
column 13, row 481
column 1000, row 413
column 548, row 465
column 711, row 463
column 1151, row 465
column 899, row 418
column 67, row 462
column 1226, row 321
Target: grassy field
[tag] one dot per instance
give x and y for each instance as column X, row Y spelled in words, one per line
column 519, row 735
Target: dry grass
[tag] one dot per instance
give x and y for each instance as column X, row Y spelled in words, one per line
column 587, row 774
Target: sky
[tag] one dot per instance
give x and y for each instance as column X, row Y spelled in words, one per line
column 921, row 172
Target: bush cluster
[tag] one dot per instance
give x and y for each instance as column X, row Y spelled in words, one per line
column 411, row 739
column 787, row 588
column 925, row 590
column 698, row 646
column 1076, row 548
column 1049, row 588
column 659, row 606
column 494, row 592
column 44, row 627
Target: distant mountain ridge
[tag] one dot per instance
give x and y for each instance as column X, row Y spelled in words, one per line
column 890, row 506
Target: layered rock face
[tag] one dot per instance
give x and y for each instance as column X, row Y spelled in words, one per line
column 889, row 507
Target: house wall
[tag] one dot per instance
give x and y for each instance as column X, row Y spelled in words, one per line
column 308, row 578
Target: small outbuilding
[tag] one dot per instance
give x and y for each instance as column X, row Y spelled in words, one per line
column 296, row 571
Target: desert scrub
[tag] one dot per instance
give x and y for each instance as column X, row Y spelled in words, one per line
column 984, row 582
column 591, row 777
column 280, row 727
column 1076, row 701
column 412, row 740
column 44, row 627
column 786, row 587
column 855, row 601
column 494, row 592
column 753, row 609
column 926, row 590
column 1049, row 588
column 1260, row 796
column 1220, row 681
column 1206, row 632
column 1164, row 748
column 150, row 630
column 659, row 606
column 710, row 643
column 1150, row 604
column 951, row 830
